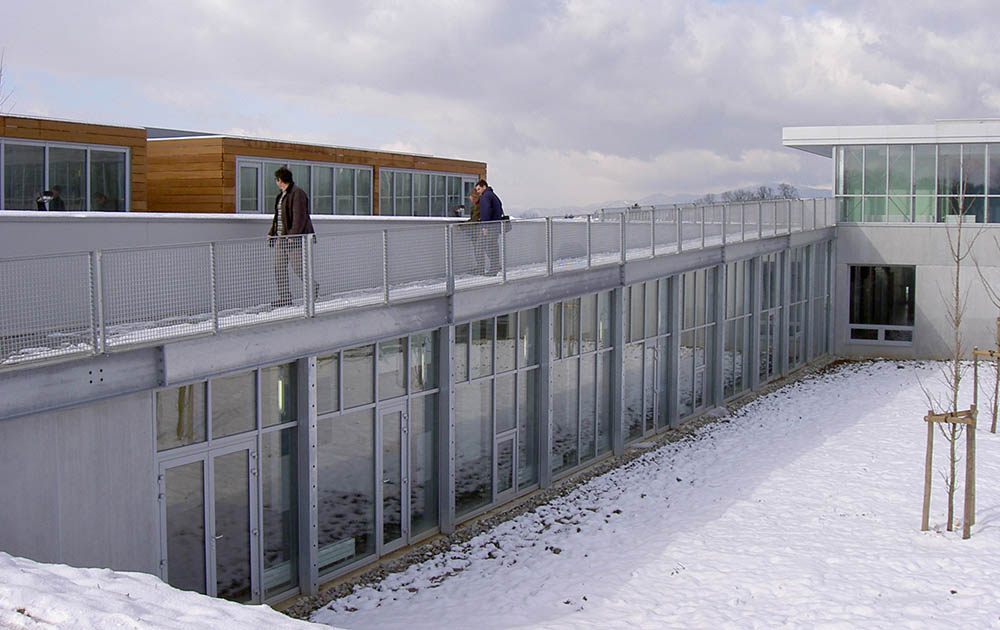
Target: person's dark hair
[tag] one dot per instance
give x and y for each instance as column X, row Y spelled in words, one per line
column 284, row 175
column 482, row 183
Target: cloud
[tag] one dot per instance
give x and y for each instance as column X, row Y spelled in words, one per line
column 579, row 100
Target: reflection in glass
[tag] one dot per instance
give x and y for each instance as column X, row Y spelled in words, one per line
column 604, row 320
column 481, row 348
column 437, row 196
column 605, row 401
column 392, row 368
column 875, row 170
column 67, row 177
column 249, row 186
column 662, row 402
column 233, row 404
column 328, row 383
column 571, row 328
column 23, row 175
column 899, row 169
column 505, row 465
column 685, row 374
column 506, row 345
column 461, row 353
column 278, row 399
column 346, row 488
column 322, row 199
column 344, row 180
column 527, row 429
column 180, row 416
column 505, row 403
column 421, row 195
column 363, row 203
column 385, row 205
column 588, row 407
column 473, row 446
column 588, row 323
column 279, row 505
column 359, row 382
column 185, row 505
column 649, row 387
column 423, row 465
column 423, row 363
column 565, row 415
column 404, row 195
column 392, row 477
column 632, row 412
column 107, row 180
column 232, row 526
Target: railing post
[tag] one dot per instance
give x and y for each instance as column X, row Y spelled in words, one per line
column 590, row 241
column 308, row 289
column 679, row 216
column 743, row 222
column 385, row 266
column 622, row 241
column 703, row 212
column 652, row 232
column 449, row 258
column 760, row 220
column 789, row 216
column 213, row 287
column 503, row 250
column 96, row 303
column 725, row 222
column 549, row 249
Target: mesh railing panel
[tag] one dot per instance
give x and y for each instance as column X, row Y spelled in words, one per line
column 259, row 280
column 152, row 294
column 713, row 224
column 569, row 244
column 638, row 234
column 666, row 230
column 605, row 241
column 417, row 262
column 524, row 249
column 476, row 253
column 734, row 222
column 690, row 228
column 45, row 308
column 348, row 270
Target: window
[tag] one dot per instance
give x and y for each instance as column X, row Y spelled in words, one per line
column 81, row 177
column 882, row 304
column 332, row 189
column 419, row 193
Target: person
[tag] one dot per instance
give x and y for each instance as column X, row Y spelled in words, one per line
column 57, row 203
column 490, row 211
column 478, row 239
column 103, row 203
column 291, row 217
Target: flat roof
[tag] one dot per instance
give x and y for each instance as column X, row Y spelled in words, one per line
column 821, row 140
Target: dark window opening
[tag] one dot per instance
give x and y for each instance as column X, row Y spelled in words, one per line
column 882, row 295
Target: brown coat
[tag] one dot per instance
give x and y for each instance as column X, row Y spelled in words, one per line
column 294, row 212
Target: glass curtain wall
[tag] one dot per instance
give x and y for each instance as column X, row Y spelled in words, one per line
column 352, row 386
column 798, row 270
column 332, row 188
column 419, row 193
column 226, row 450
column 647, row 323
column 737, row 361
column 80, row 177
column 770, row 316
column 581, row 380
column 496, row 424
column 694, row 365
column 822, row 279
column 918, row 183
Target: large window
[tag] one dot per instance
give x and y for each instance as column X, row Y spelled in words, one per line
column 581, row 380
column 736, row 357
column 882, row 304
column 420, row 193
column 332, row 188
column 694, row 365
column 496, row 422
column 919, row 183
column 79, row 177
column 647, row 357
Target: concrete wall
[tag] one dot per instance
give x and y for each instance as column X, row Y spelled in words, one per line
column 78, row 486
column 927, row 248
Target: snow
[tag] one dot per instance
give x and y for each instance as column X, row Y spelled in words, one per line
column 800, row 511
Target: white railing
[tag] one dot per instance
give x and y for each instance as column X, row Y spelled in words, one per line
column 70, row 305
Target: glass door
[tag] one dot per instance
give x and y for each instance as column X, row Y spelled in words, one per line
column 210, row 533
column 394, row 489
column 249, row 188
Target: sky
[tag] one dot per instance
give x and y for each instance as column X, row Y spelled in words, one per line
column 800, row 510
column 570, row 102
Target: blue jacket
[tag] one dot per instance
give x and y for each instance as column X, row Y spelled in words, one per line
column 490, row 208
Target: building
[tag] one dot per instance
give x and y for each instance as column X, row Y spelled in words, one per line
column 902, row 192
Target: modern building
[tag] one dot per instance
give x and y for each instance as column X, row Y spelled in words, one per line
column 902, row 193
column 157, row 415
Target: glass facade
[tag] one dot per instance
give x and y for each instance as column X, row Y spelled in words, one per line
column 918, row 183
column 80, row 177
column 230, row 449
column 407, row 193
column 332, row 188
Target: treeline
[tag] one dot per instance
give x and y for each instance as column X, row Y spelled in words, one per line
column 760, row 193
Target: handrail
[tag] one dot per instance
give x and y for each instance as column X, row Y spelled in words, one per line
column 82, row 304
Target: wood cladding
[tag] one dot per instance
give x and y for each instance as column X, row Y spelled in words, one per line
column 86, row 133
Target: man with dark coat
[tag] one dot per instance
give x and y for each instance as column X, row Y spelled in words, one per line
column 490, row 212
column 291, row 217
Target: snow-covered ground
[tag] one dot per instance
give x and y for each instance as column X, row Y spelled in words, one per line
column 801, row 511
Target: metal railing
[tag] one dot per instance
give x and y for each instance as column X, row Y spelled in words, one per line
column 71, row 305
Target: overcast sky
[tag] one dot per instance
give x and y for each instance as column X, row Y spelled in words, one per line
column 569, row 102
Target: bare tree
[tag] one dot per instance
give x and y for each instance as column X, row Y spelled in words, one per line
column 4, row 94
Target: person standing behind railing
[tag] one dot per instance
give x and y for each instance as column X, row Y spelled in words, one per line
column 291, row 217
column 478, row 240
column 490, row 211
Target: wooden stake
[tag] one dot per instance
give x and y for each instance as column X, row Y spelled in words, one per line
column 928, row 462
